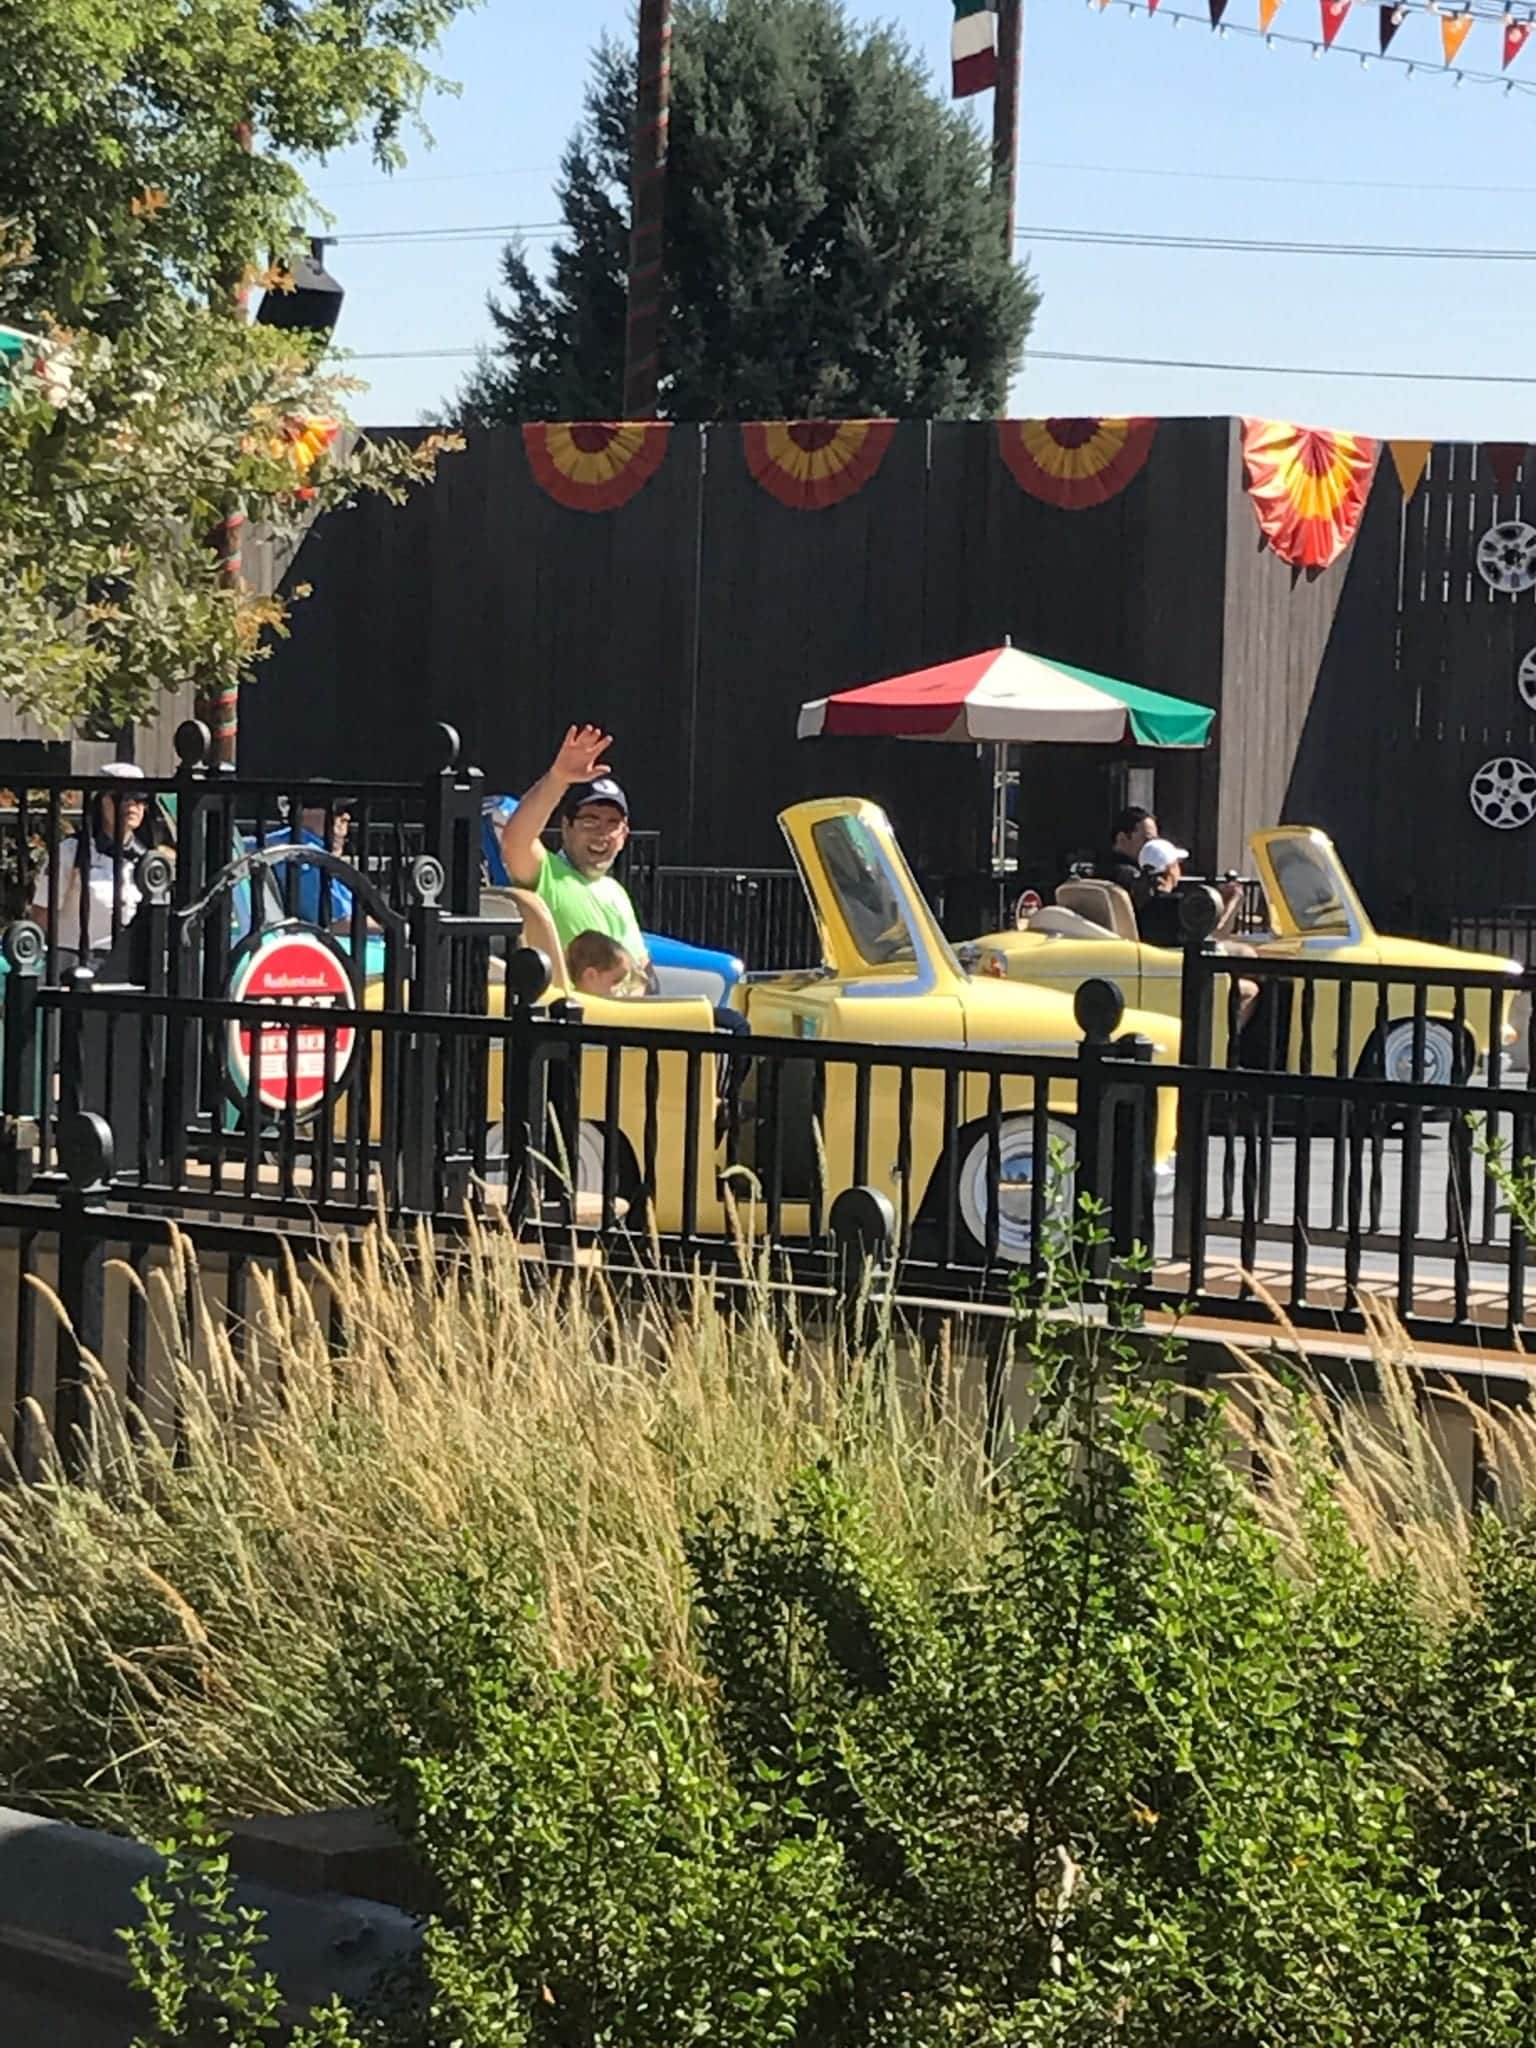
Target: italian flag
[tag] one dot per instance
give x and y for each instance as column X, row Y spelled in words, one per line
column 973, row 47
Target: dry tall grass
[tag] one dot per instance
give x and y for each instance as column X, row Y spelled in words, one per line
column 173, row 1618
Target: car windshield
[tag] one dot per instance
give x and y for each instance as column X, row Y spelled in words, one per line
column 1309, row 879
column 874, row 913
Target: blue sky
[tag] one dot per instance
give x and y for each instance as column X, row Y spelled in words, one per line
column 1128, row 124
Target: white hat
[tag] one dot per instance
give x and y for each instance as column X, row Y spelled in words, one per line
column 1160, row 854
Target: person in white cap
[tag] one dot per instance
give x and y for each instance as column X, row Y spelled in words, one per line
column 1159, row 921
column 92, row 880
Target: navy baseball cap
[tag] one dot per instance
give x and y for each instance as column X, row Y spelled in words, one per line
column 604, row 791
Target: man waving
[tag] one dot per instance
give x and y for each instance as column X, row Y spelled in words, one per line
column 576, row 884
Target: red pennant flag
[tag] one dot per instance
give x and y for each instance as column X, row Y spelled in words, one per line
column 1151, row 6
column 1218, row 9
column 1334, row 12
column 1504, row 459
column 1516, row 35
column 1391, row 20
column 1454, row 30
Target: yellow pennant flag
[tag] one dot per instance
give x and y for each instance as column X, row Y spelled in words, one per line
column 1410, row 459
column 1454, row 30
column 1268, row 9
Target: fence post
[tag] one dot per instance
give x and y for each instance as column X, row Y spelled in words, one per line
column 454, row 824
column 1114, row 1125
column 1098, row 1007
column 422, row 1051
column 20, row 1078
column 192, row 741
column 527, row 977
column 85, row 1153
column 863, row 1225
column 1198, row 914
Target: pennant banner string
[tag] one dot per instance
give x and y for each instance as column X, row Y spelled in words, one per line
column 1455, row 28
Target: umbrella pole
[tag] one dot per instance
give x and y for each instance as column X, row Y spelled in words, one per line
column 1000, row 807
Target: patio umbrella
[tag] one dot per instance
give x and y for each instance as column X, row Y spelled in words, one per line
column 1005, row 698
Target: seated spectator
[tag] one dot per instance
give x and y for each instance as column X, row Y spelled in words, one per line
column 299, row 882
column 1134, row 829
column 1160, row 921
column 598, row 965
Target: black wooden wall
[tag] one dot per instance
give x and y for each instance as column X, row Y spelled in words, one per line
column 694, row 621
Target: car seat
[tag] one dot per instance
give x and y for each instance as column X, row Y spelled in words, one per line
column 1102, row 903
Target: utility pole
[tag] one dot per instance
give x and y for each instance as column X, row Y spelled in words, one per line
column 220, row 709
column 648, row 200
column 1005, row 109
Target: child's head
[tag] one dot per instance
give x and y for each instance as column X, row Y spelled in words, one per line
column 599, row 966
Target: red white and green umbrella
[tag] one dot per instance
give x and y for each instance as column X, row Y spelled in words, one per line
column 1008, row 698
column 22, row 354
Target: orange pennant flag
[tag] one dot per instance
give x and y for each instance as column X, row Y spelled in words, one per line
column 1454, row 30
column 1268, row 9
column 1410, row 459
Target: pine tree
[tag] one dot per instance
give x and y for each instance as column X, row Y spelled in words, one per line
column 833, row 247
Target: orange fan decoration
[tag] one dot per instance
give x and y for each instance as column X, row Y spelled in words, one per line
column 1308, row 486
column 301, row 443
column 595, row 465
column 1074, row 463
column 810, row 464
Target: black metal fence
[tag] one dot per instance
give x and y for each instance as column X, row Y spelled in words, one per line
column 70, row 845
column 1357, row 1135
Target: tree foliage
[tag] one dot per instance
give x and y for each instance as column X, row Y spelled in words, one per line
column 149, row 166
column 833, row 247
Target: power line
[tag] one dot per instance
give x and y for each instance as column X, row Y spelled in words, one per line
column 1272, row 246
column 1040, row 163
column 1056, row 355
column 387, row 182
column 1115, row 238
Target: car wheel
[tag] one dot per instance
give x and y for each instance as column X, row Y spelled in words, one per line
column 589, row 1160
column 1438, row 1067
column 1017, row 1169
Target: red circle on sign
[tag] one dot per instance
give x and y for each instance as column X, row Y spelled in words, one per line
column 299, row 1064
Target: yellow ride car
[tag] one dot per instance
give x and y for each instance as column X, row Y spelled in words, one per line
column 887, row 977
column 1315, row 914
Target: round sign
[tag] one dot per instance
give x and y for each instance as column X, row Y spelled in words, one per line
column 1506, row 556
column 296, row 969
column 1503, row 793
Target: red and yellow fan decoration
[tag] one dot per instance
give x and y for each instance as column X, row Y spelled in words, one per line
column 1309, row 486
column 595, row 465
column 1074, row 463
column 301, row 443
column 810, row 464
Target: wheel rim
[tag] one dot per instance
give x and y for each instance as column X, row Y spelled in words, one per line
column 1439, row 1063
column 589, row 1157
column 1016, row 1187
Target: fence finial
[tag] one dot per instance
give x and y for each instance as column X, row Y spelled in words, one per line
column 1098, row 1007
column 84, row 1150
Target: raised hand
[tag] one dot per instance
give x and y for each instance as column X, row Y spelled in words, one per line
column 580, row 758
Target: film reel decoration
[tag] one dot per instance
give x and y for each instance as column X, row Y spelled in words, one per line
column 1503, row 793
column 1506, row 556
column 1525, row 677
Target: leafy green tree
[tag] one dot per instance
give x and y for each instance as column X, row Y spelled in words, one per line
column 833, row 247
column 149, row 167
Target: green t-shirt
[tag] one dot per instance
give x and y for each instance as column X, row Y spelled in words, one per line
column 579, row 905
